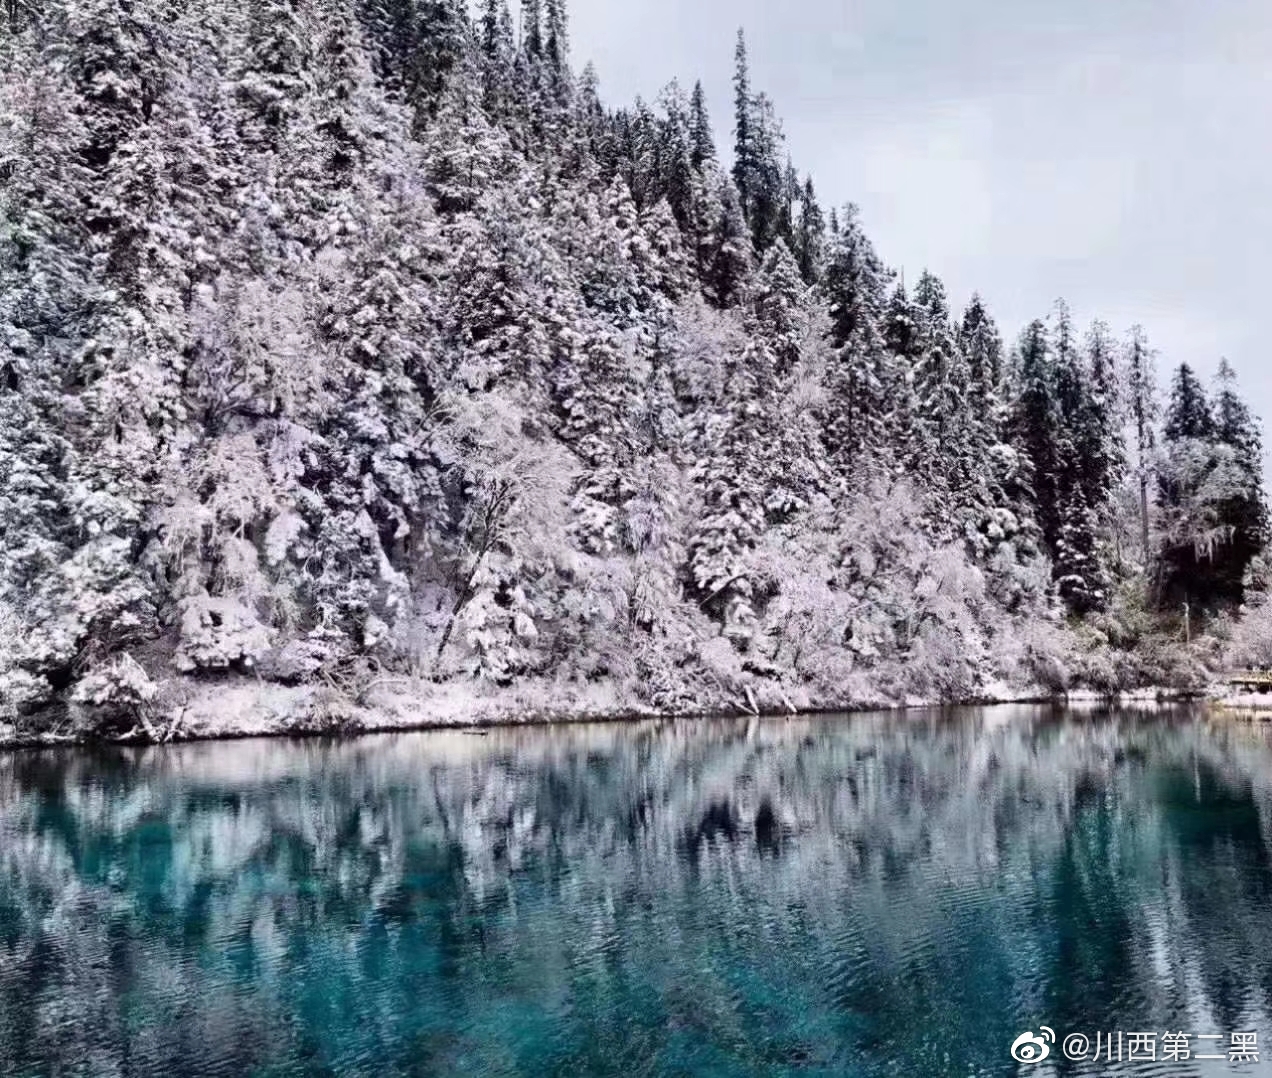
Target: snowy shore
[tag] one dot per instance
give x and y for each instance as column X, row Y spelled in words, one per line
column 1252, row 706
column 250, row 708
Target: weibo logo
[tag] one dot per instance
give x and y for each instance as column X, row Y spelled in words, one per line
column 1028, row 1048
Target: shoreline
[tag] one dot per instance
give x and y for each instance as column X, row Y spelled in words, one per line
column 250, row 709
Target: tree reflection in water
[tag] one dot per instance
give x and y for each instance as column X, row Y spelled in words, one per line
column 873, row 895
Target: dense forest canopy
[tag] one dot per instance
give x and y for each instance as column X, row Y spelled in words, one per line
column 339, row 337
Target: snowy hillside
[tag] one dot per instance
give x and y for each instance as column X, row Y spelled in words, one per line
column 352, row 342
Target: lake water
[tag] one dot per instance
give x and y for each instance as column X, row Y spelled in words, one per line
column 871, row 895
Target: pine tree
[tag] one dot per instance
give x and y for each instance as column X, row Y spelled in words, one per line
column 639, row 166
column 854, row 283
column 790, row 193
column 498, row 58
column 733, row 493
column 673, row 154
column 491, row 18
column 393, row 29
column 1189, row 413
column 672, row 269
column 556, row 46
column 779, row 306
column 766, row 185
column 1198, row 477
column 810, row 235
column 901, row 328
column 982, row 345
column 1101, row 446
column 728, row 261
column 941, row 444
column 597, row 396
column 275, row 76
column 443, row 33
column 1034, row 429
column 532, row 28
column 592, row 120
column 1246, row 511
column 1079, row 573
column 342, row 73
column 702, row 141
column 1141, row 390
column 744, row 150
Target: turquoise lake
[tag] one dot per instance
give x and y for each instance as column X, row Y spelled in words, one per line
column 899, row 895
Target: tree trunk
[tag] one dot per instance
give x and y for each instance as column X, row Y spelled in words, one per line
column 1144, row 515
column 461, row 600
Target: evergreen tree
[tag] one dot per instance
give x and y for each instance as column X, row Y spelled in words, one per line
column 1189, row 413
column 810, row 235
column 779, row 306
column 1079, row 573
column 757, row 171
column 940, row 438
column 1141, row 390
column 497, row 51
column 442, row 45
column 1246, row 511
column 733, row 493
column 728, row 260
column 673, row 159
column 671, row 271
column 1100, row 445
column 1080, row 576
column 491, row 12
column 275, row 77
column 1198, row 476
column 532, row 28
column 393, row 29
column 854, row 283
column 765, row 184
column 901, row 328
column 640, row 155
column 983, row 347
column 701, row 140
column 744, row 149
column 592, row 120
column 556, row 47
column 597, row 395
column 1034, row 429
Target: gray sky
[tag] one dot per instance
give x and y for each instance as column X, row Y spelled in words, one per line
column 1112, row 152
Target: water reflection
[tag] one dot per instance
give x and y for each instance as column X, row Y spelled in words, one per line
column 866, row 896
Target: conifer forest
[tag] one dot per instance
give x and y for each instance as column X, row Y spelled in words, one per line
column 361, row 346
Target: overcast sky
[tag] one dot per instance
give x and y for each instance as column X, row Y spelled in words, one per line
column 1113, row 152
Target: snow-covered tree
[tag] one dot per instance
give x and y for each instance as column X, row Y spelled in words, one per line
column 341, row 335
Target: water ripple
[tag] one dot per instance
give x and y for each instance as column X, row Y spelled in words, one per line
column 863, row 897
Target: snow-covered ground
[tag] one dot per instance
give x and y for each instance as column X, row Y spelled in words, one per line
column 1256, row 706
column 251, row 708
